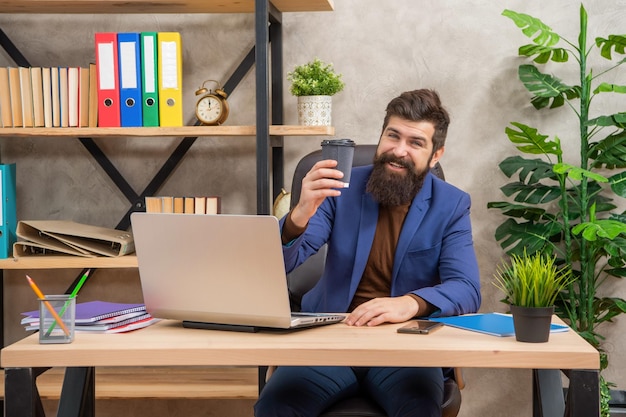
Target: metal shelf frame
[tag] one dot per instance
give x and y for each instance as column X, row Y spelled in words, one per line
column 269, row 152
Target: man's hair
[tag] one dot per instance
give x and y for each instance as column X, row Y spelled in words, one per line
column 421, row 105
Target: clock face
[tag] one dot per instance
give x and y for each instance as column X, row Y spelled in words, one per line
column 209, row 110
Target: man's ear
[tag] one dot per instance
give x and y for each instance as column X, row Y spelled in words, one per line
column 437, row 156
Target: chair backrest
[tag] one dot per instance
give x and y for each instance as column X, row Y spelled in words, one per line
column 303, row 278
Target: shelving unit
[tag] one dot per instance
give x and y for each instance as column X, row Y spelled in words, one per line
column 158, row 6
column 147, row 132
column 60, row 262
column 268, row 88
column 269, row 132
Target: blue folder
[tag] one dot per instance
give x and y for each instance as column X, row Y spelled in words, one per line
column 495, row 324
column 8, row 214
column 129, row 61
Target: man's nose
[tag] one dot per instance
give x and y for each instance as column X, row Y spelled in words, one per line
column 401, row 149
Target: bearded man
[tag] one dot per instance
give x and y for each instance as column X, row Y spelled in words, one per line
column 399, row 246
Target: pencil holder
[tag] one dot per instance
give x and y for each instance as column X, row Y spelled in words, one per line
column 57, row 318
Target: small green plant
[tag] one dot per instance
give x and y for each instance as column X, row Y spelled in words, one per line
column 532, row 280
column 315, row 78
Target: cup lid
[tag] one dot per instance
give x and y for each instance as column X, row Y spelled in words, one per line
column 338, row 142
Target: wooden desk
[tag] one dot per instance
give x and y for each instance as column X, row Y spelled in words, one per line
column 169, row 344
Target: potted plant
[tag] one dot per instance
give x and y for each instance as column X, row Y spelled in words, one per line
column 531, row 285
column 314, row 83
column 569, row 208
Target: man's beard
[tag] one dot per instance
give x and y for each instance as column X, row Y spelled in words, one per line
column 395, row 189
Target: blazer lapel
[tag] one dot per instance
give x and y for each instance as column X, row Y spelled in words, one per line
column 414, row 218
column 367, row 229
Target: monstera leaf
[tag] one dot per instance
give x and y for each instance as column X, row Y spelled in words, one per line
column 531, row 26
column 610, row 152
column 545, row 87
column 529, row 140
column 530, row 170
column 533, row 237
column 614, row 42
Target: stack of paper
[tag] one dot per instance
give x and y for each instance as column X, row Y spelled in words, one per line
column 101, row 317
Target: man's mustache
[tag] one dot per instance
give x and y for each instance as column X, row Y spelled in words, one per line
column 388, row 158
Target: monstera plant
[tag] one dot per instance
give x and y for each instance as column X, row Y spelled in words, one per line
column 571, row 206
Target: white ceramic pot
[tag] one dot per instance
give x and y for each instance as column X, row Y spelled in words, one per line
column 314, row 110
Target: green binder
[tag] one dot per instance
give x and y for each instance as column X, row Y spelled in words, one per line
column 149, row 83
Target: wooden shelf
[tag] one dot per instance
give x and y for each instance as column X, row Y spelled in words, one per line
column 282, row 130
column 157, row 6
column 56, row 262
column 202, row 382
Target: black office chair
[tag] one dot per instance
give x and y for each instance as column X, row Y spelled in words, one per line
column 306, row 275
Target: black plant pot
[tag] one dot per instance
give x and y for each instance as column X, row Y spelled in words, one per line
column 532, row 324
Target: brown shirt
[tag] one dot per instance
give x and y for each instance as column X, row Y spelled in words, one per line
column 376, row 279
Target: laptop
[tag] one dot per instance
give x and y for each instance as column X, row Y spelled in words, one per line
column 216, row 272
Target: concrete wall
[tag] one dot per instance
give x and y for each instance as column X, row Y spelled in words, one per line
column 465, row 50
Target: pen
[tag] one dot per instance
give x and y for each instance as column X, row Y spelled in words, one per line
column 48, row 306
column 67, row 303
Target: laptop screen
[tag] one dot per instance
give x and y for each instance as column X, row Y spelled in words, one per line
column 212, row 268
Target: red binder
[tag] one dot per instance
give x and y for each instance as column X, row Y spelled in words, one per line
column 108, row 80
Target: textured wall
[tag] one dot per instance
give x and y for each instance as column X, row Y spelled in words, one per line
column 465, row 50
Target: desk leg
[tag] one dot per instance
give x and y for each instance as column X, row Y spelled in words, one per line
column 548, row 398
column 583, row 395
column 21, row 398
column 78, row 393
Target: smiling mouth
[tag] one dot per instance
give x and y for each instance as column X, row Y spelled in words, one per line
column 397, row 166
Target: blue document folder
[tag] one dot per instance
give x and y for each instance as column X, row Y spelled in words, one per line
column 8, row 214
column 128, row 47
column 495, row 324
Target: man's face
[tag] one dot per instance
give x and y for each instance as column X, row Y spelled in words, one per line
column 405, row 142
column 403, row 157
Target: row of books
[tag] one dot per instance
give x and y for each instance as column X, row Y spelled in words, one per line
column 187, row 205
column 101, row 317
column 136, row 81
column 48, row 97
column 139, row 79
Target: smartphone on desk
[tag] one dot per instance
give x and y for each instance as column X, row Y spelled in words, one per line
column 420, row 327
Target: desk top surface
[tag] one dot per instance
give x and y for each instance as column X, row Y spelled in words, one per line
column 167, row 343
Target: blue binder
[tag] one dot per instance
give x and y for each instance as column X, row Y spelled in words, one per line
column 129, row 59
column 8, row 220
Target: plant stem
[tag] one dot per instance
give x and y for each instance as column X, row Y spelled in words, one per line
column 587, row 283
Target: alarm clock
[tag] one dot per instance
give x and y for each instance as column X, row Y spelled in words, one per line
column 211, row 107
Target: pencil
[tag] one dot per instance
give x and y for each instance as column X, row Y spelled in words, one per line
column 67, row 303
column 48, row 305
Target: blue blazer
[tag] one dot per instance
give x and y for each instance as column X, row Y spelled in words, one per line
column 435, row 256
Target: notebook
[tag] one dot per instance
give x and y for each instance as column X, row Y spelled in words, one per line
column 216, row 271
column 94, row 311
